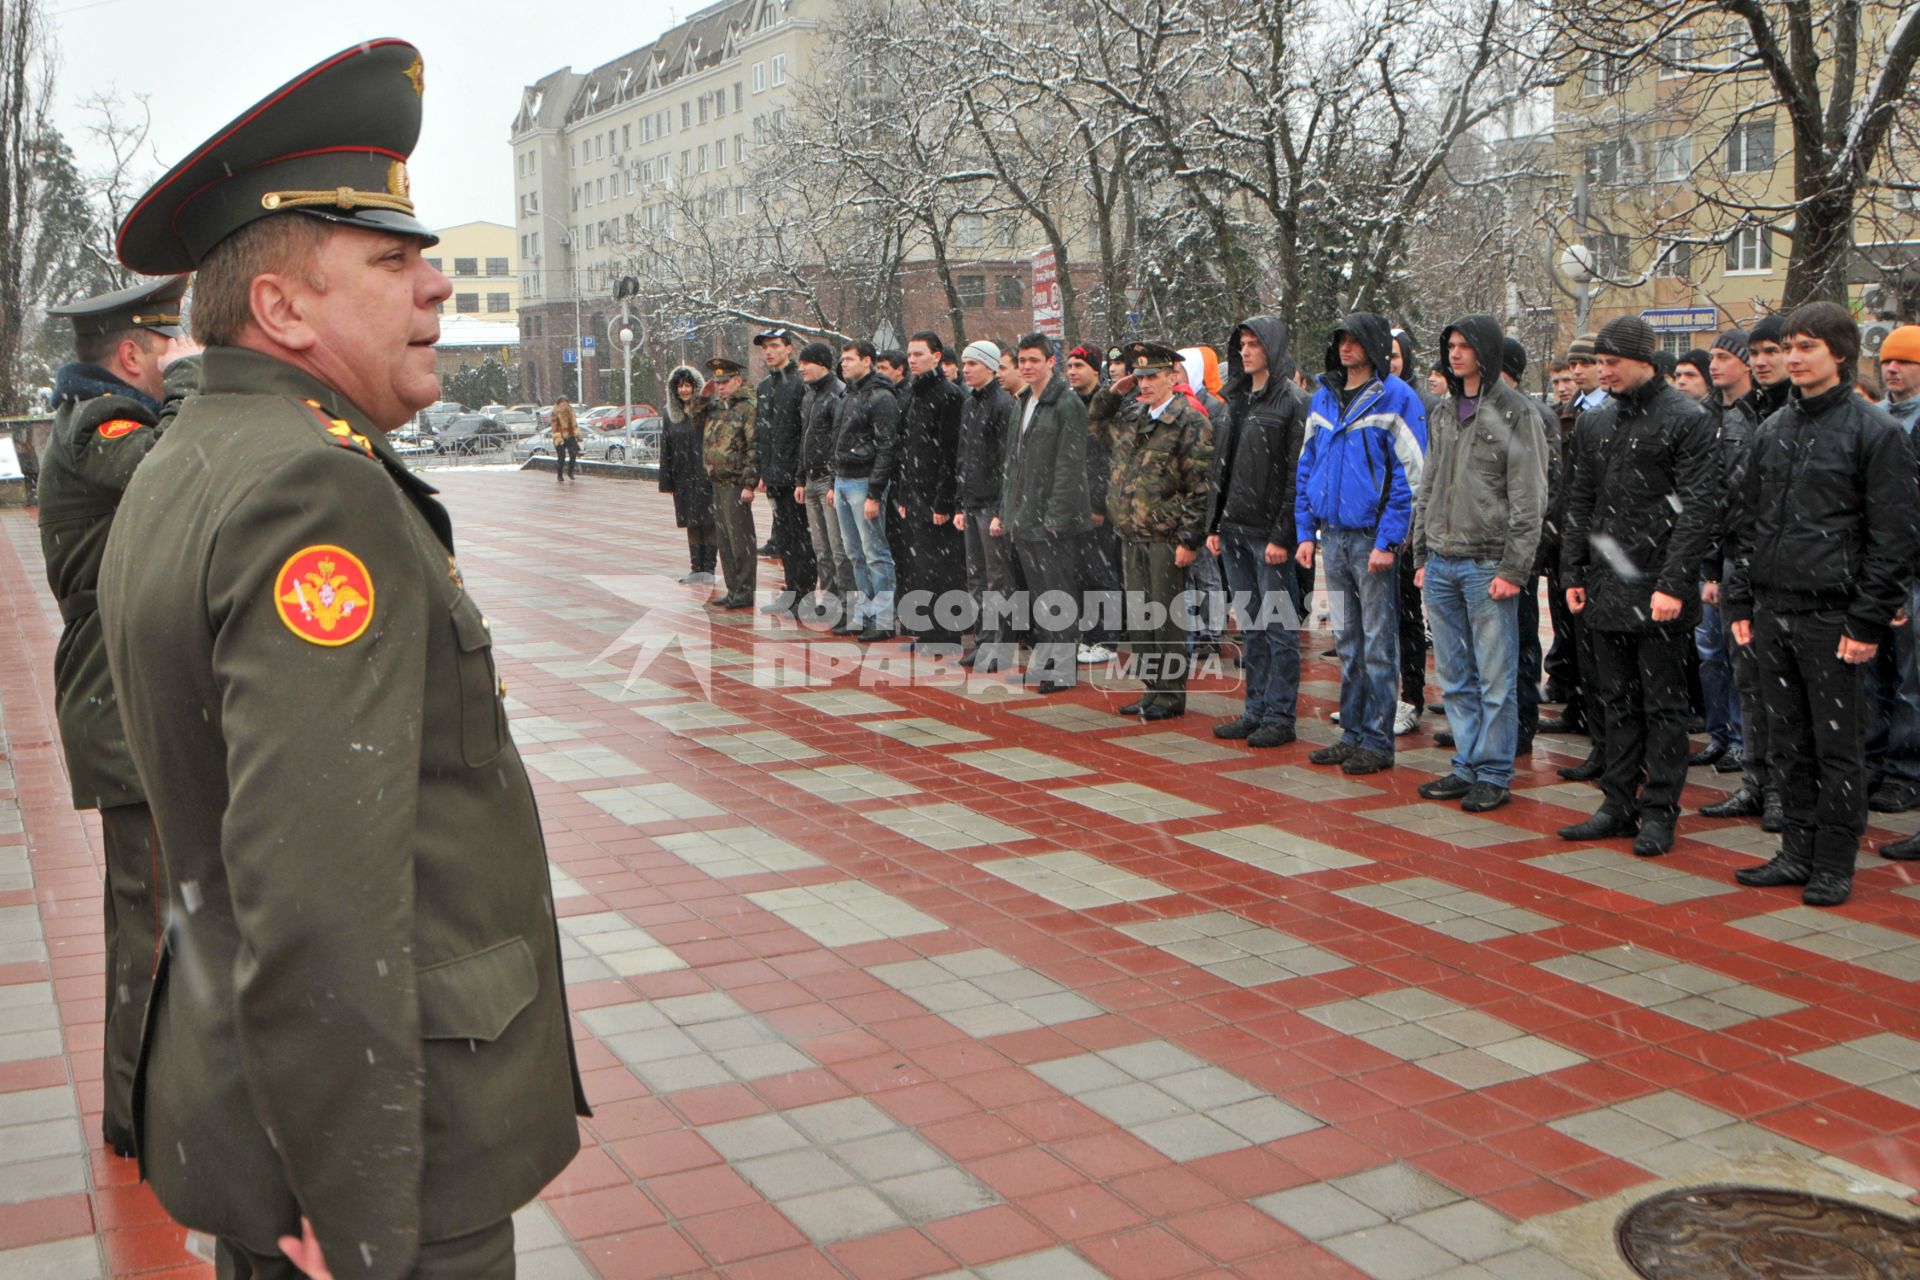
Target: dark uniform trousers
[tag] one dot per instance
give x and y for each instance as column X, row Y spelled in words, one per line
column 929, row 558
column 1413, row 641
column 793, row 543
column 1756, row 725
column 1526, row 670
column 1641, row 678
column 486, row 1254
column 1818, row 734
column 733, row 521
column 990, row 575
column 133, row 941
column 1052, row 571
column 1102, row 618
column 1563, row 657
column 1156, row 584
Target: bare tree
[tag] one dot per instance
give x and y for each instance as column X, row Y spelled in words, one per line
column 26, row 78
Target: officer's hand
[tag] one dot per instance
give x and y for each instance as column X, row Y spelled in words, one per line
column 996, row 529
column 1855, row 651
column 1379, row 561
column 1420, row 579
column 179, row 349
column 746, row 495
column 1665, row 607
column 706, row 388
column 1184, row 556
column 872, row 509
column 1276, row 554
column 1742, row 633
column 762, row 486
column 304, row 1253
column 1098, row 519
column 1501, row 589
column 1577, row 601
column 959, row 520
column 1213, row 543
column 940, row 519
column 799, row 493
column 1124, row 387
column 1304, row 554
column 901, row 507
column 1710, row 593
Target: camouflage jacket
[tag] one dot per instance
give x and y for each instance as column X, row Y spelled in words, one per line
column 727, row 438
column 1161, row 487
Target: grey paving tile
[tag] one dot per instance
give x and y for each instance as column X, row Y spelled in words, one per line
column 1135, row 802
column 846, row 1213
column 1396, row 1191
column 934, row 1193
column 1392, row 1253
column 947, row 826
column 845, row 912
column 1466, row 1229
column 737, row 851
column 649, row 803
column 1318, row 1211
column 1279, row 852
column 1074, row 880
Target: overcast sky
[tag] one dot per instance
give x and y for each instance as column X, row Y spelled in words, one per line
column 200, row 63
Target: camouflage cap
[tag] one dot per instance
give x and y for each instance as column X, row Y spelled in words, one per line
column 332, row 143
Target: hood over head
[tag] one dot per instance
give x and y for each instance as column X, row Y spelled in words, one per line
column 1271, row 333
column 675, row 411
column 1489, row 342
column 1375, row 336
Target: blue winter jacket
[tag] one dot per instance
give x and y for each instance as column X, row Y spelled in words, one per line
column 1360, row 467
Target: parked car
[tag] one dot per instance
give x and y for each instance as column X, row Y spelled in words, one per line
column 599, row 444
column 521, row 422
column 437, row 415
column 472, row 433
column 618, row 416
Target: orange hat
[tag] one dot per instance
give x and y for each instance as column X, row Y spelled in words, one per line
column 1902, row 344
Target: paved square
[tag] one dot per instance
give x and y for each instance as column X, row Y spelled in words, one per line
column 737, row 851
column 1175, row 748
column 1071, row 879
column 1888, row 1064
column 680, row 717
column 577, row 764
column 764, row 746
column 846, row 783
column 1448, row 909
column 694, row 1042
column 1648, row 879
column 1018, row 764
column 1445, row 822
column 1133, row 802
column 1231, row 947
column 1688, row 992
column 1826, row 933
column 1302, row 782
column 1465, row 1046
column 1272, row 849
column 984, row 993
column 947, row 826
column 845, row 912
column 1671, row 1135
column 606, row 944
column 845, row 702
column 649, row 803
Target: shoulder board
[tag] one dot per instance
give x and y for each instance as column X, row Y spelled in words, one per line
column 339, row 431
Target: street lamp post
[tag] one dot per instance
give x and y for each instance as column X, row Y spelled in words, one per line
column 573, row 287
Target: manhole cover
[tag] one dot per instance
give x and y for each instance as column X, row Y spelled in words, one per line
column 1760, row 1233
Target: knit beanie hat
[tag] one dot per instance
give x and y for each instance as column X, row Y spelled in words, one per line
column 817, row 353
column 1700, row 360
column 1513, row 358
column 985, row 352
column 1628, row 337
column 1902, row 344
column 1768, row 329
column 1581, row 348
column 1733, row 342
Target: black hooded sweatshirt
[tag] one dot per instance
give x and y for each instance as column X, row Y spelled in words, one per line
column 1257, row 441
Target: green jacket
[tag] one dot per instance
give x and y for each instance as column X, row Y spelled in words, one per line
column 91, row 455
column 359, row 1014
column 1162, row 484
column 727, row 438
column 1043, row 486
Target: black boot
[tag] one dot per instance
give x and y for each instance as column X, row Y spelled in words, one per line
column 1907, row 850
column 1832, row 880
column 1741, row 804
column 1655, row 838
column 1773, row 813
column 1787, row 867
column 1587, row 770
column 1603, row 825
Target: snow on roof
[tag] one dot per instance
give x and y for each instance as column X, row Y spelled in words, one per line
column 470, row 331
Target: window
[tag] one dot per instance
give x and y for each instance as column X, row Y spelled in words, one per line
column 1749, row 249
column 599, row 147
column 497, row 266
column 739, row 97
column 703, row 159
column 1676, row 49
column 686, row 115
column 759, row 77
column 523, row 247
column 626, row 137
column 740, row 200
column 435, row 263
column 686, row 163
column 534, row 240
column 739, row 147
column 646, row 129
column 1602, row 76
column 466, row 266
column 573, row 155
column 759, row 130
column 1608, row 163
column 1612, row 256
column 1009, row 293
column 703, row 108
column 779, row 69
column 720, row 154
column 1750, row 147
column 467, row 304
column 969, row 230
column 1675, row 344
column 600, row 189
column 498, row 302
column 646, row 171
column 972, row 290
column 780, row 120
column 1673, row 158
column 719, row 103
column 589, row 237
column 1675, row 261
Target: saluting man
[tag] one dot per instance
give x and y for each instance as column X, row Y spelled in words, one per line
column 357, row 1056
column 1158, row 500
column 108, row 405
column 724, row 413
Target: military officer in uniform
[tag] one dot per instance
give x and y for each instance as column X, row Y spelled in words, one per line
column 107, row 416
column 1158, row 500
column 724, row 414
column 356, row 1056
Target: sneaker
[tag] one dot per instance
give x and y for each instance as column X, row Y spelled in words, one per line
column 1364, row 761
column 1335, row 717
column 1095, row 655
column 1451, row 787
column 1406, row 720
column 1485, row 797
column 1271, row 735
column 1239, row 727
column 1335, row 754
column 1893, row 797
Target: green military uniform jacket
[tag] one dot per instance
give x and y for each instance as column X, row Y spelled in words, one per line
column 1161, row 489
column 727, row 438
column 360, row 1015
column 91, row 455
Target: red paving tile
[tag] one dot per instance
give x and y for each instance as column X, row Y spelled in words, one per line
column 652, row 1195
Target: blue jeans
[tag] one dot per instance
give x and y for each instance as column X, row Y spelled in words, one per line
column 866, row 543
column 1893, row 706
column 1717, row 688
column 1366, row 632
column 1476, row 646
column 1204, row 598
column 1266, row 599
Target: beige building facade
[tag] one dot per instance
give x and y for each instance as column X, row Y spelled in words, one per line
column 482, row 262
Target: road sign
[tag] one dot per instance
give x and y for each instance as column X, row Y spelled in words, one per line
column 1047, row 317
column 1682, row 319
column 566, row 355
column 586, row 344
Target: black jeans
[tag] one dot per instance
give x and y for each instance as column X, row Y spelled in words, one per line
column 1051, row 567
column 1103, row 618
column 1526, row 672
column 1563, row 658
column 1641, row 678
column 566, row 459
column 792, row 542
column 1413, row 641
column 1817, row 714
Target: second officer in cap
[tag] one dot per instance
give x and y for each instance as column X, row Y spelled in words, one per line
column 1158, row 500
column 724, row 413
column 357, row 1056
column 110, row 404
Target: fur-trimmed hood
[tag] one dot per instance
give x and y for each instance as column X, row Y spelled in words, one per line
column 672, row 408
